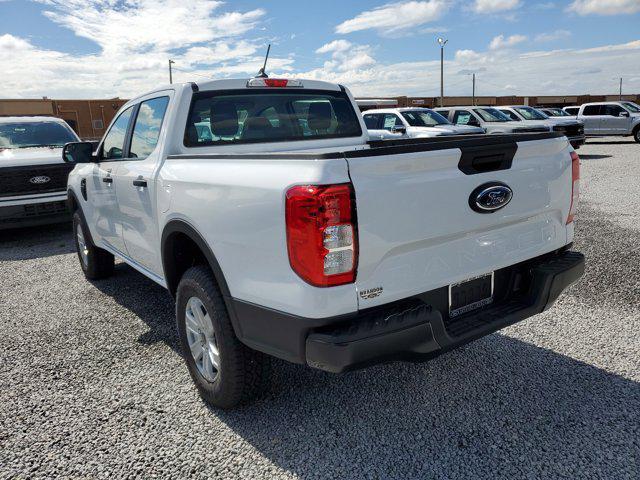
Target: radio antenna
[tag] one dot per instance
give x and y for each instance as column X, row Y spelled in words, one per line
column 261, row 72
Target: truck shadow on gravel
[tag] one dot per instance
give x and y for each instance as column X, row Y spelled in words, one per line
column 36, row 242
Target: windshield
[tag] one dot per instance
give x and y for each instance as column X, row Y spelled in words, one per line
column 632, row 107
column 34, row 134
column 492, row 115
column 424, row 118
column 529, row 113
column 260, row 116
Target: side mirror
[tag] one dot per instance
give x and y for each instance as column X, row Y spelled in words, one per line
column 624, row 114
column 401, row 130
column 473, row 122
column 78, row 152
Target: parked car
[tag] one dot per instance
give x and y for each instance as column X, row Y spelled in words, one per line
column 282, row 230
column 490, row 119
column 555, row 112
column 412, row 123
column 611, row 119
column 573, row 111
column 33, row 177
column 573, row 129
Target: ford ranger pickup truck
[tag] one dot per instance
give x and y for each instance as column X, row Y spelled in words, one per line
column 572, row 128
column 490, row 119
column 281, row 230
column 33, row 177
column 611, row 119
column 413, row 122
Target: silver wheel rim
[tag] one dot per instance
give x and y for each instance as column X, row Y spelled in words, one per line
column 201, row 339
column 82, row 246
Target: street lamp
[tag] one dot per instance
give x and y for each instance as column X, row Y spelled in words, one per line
column 171, row 62
column 442, row 42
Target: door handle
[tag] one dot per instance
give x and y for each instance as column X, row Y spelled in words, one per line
column 140, row 183
column 107, row 179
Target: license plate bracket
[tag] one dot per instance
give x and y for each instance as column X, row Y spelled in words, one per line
column 470, row 294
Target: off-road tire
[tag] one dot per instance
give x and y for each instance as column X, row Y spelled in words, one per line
column 97, row 263
column 244, row 373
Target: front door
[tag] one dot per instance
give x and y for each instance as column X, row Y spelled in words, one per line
column 101, row 189
column 612, row 122
column 135, row 184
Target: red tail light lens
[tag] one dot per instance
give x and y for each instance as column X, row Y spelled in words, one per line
column 321, row 233
column 575, row 186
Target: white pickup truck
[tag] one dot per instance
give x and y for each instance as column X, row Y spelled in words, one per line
column 33, row 177
column 281, row 230
column 611, row 119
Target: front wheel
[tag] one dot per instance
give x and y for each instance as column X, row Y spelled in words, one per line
column 226, row 372
column 636, row 134
column 95, row 262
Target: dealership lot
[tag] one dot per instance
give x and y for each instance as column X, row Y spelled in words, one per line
column 93, row 384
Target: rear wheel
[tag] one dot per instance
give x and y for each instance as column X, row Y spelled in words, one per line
column 226, row 372
column 95, row 262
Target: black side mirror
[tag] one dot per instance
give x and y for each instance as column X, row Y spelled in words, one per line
column 401, row 130
column 78, row 152
column 623, row 114
column 473, row 122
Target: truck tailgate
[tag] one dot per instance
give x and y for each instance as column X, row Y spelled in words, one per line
column 417, row 231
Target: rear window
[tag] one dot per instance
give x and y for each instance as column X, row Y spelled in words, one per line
column 34, row 134
column 260, row 116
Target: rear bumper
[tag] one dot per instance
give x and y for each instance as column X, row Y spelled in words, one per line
column 414, row 329
column 33, row 214
column 577, row 141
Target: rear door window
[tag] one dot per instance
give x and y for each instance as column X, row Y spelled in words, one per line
column 371, row 121
column 591, row 110
column 256, row 116
column 147, row 127
column 462, row 117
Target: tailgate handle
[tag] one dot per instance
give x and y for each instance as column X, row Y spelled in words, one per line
column 487, row 163
column 487, row 158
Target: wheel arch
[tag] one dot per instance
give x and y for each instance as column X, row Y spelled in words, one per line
column 180, row 234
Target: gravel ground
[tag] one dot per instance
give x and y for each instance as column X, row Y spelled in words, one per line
column 92, row 383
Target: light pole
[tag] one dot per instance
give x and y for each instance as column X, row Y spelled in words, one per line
column 442, row 42
column 170, row 72
column 473, row 90
column 621, row 88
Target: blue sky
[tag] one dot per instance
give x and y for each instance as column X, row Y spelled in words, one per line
column 88, row 48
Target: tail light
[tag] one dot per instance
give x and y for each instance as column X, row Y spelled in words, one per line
column 575, row 186
column 321, row 233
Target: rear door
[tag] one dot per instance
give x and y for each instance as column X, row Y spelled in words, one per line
column 136, row 187
column 417, row 230
column 592, row 118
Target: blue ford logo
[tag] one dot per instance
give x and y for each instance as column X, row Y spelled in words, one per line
column 490, row 197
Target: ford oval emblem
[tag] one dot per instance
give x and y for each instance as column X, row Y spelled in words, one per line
column 490, row 197
column 39, row 180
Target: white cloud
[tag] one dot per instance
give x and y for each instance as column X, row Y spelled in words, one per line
column 493, row 6
column 552, row 36
column 498, row 72
column 396, row 18
column 501, row 42
column 335, row 46
column 345, row 56
column 604, row 7
column 133, row 42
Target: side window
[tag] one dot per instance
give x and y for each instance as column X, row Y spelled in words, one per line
column 511, row 115
column 147, row 127
column 390, row 121
column 371, row 121
column 613, row 110
column 462, row 117
column 113, row 144
column 591, row 110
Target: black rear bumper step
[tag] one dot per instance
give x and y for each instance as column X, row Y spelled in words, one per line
column 421, row 332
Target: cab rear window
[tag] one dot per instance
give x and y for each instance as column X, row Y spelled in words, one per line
column 250, row 116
